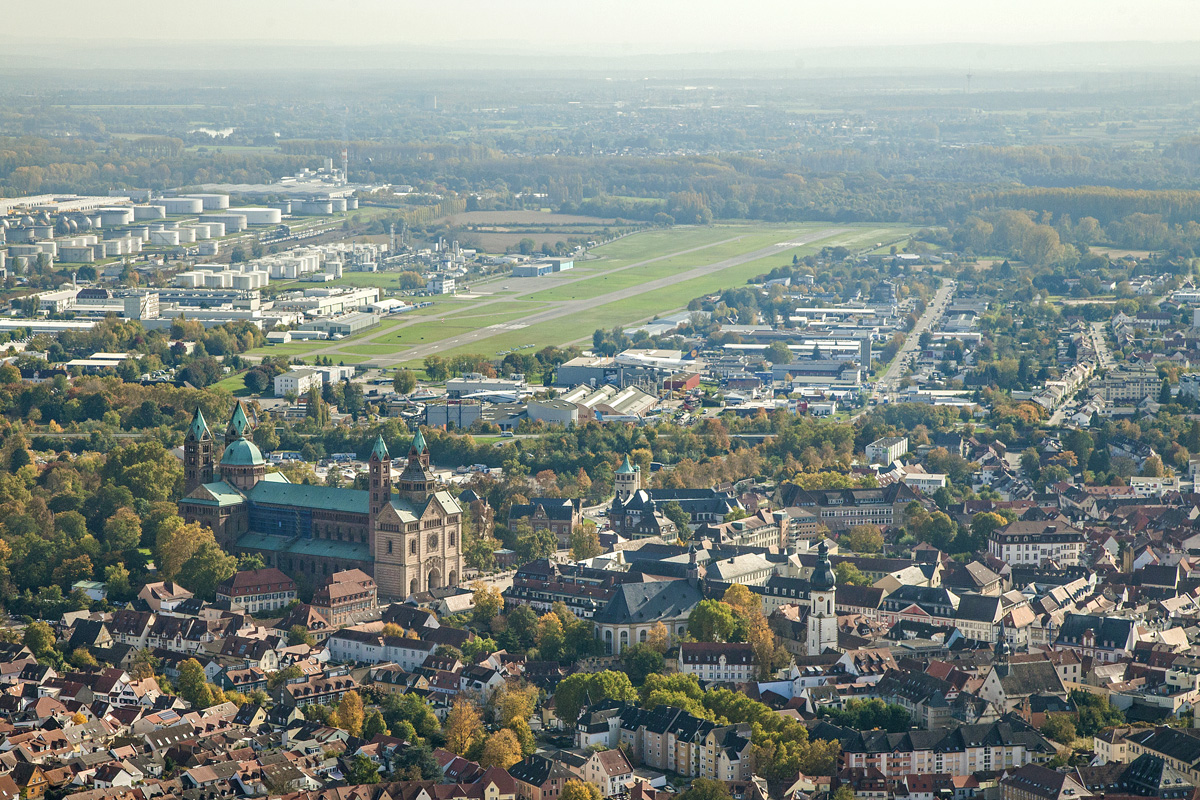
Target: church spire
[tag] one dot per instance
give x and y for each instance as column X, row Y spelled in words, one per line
column 239, row 423
column 198, row 431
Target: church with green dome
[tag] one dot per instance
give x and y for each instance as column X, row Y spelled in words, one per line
column 404, row 532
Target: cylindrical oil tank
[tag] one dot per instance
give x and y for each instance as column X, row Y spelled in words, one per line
column 182, row 205
column 149, row 212
column 261, row 216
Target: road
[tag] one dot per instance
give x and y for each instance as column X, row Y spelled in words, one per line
column 568, row 308
column 933, row 312
column 1100, row 345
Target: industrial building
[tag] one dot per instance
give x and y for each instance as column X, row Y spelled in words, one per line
column 584, row 404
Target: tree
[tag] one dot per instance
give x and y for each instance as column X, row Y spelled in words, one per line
column 847, row 572
column 117, row 582
column 417, row 763
column 606, row 685
column 534, row 543
column 711, row 621
column 39, row 638
column 122, row 531
column 207, row 569
column 1153, row 467
column 674, row 512
column 983, row 525
column 1060, row 728
column 1164, row 392
column 705, row 789
column 144, row 665
column 298, row 634
column 778, row 353
column 463, row 723
column 585, row 541
column 488, row 603
column 844, row 792
column 641, row 660
column 865, row 539
column 659, row 638
column 192, row 685
column 743, row 602
column 502, row 749
column 579, row 790
column 362, row 770
column 81, row 658
column 436, row 369
column 350, row 713
column 404, row 381
column 514, row 704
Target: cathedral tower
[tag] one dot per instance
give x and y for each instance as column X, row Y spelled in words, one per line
column 197, row 454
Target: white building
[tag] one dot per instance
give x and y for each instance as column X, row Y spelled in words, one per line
column 885, row 451
column 440, row 284
column 727, row 662
column 297, row 382
column 1033, row 542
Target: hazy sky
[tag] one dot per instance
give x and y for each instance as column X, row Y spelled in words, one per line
column 614, row 26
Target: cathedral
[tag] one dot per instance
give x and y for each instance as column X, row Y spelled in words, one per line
column 405, row 534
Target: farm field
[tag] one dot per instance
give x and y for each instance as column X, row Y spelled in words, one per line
column 630, row 280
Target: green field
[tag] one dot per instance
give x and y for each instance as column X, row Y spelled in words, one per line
column 700, row 253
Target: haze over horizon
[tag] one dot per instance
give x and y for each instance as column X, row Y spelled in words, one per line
column 612, row 27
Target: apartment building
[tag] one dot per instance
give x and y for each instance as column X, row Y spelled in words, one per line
column 1037, row 542
column 887, row 450
column 724, row 662
column 348, row 596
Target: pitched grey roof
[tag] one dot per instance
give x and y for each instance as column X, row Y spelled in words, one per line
column 646, row 602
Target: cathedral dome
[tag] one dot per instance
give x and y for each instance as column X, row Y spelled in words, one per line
column 242, row 453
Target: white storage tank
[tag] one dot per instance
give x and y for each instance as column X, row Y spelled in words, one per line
column 232, row 221
column 116, row 217
column 164, row 238
column 209, row 248
column 215, row 229
column 339, row 204
column 77, row 254
column 261, row 278
column 189, row 280
column 182, row 205
column 198, row 232
column 243, row 282
column 213, row 202
column 261, row 216
column 187, row 234
column 284, row 206
column 149, row 212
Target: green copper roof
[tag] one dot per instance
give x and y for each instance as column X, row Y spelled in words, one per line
column 326, row 548
column 218, row 493
column 419, row 442
column 380, row 450
column 242, row 453
column 301, row 495
column 199, row 428
column 626, row 468
column 239, row 423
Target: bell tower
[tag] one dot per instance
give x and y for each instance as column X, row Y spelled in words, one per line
column 627, row 480
column 416, row 482
column 197, row 454
column 822, row 618
column 380, row 478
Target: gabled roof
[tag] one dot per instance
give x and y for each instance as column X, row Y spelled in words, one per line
column 641, row 602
